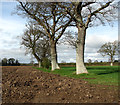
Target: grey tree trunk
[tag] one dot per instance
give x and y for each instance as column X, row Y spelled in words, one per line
column 80, row 67
column 111, row 58
column 39, row 64
column 111, row 64
column 54, row 56
column 38, row 59
column 57, row 66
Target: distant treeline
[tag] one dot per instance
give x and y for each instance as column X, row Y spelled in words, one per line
column 9, row 62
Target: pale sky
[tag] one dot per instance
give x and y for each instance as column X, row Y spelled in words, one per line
column 12, row 26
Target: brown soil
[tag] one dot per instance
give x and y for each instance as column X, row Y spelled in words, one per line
column 24, row 84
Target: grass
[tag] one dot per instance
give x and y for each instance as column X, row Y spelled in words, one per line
column 105, row 75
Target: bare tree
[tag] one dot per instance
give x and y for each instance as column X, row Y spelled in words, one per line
column 109, row 49
column 89, row 61
column 88, row 14
column 36, row 42
column 70, row 38
column 53, row 19
column 96, row 61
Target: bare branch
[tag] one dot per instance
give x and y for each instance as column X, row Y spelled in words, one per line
column 36, row 18
column 63, row 30
column 101, row 8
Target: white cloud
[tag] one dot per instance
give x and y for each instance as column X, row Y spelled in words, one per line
column 11, row 27
column 16, row 53
column 72, row 60
column 66, row 53
column 96, row 38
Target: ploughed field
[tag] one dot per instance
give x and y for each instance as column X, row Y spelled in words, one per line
column 25, row 84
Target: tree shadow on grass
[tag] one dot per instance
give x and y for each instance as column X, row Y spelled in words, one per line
column 72, row 70
column 103, row 70
column 107, row 72
column 100, row 68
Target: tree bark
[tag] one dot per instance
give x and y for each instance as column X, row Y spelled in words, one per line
column 111, row 64
column 38, row 59
column 57, row 66
column 111, row 58
column 54, row 56
column 80, row 67
column 39, row 64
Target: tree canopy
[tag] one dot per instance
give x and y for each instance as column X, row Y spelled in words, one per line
column 109, row 49
column 36, row 42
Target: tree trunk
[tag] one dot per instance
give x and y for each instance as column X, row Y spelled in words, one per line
column 38, row 59
column 80, row 67
column 57, row 66
column 111, row 64
column 54, row 56
column 39, row 64
column 111, row 58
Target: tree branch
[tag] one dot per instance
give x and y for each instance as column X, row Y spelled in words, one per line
column 96, row 11
column 65, row 26
column 104, row 6
column 35, row 18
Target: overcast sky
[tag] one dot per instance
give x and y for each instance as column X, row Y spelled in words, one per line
column 12, row 26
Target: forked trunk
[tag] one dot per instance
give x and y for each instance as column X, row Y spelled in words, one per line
column 80, row 67
column 54, row 56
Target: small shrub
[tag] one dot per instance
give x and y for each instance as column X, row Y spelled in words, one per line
column 46, row 63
